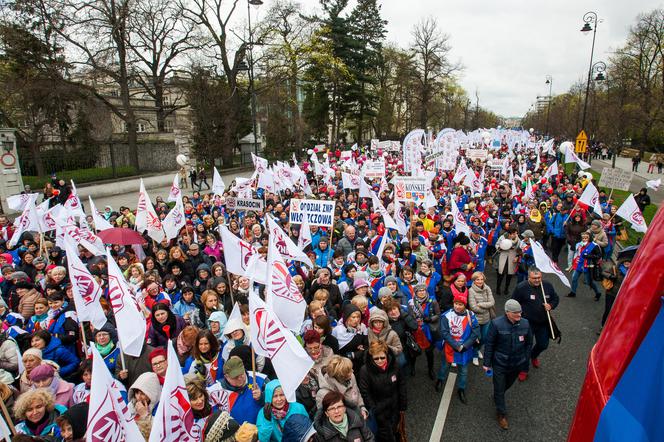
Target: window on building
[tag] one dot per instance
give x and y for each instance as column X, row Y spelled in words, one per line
column 169, row 126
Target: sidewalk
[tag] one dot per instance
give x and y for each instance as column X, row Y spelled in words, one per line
column 626, row 164
column 125, row 192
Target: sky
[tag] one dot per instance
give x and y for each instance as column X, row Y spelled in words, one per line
column 508, row 47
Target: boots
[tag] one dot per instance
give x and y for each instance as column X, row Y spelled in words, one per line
column 502, row 422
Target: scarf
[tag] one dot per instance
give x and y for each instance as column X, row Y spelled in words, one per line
column 104, row 350
column 456, row 293
column 280, row 414
column 382, row 367
column 420, row 305
column 341, row 427
column 182, row 347
column 38, row 427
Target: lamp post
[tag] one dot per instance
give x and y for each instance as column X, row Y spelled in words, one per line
column 549, row 81
column 588, row 18
column 252, row 91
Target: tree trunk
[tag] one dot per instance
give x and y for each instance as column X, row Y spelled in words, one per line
column 36, row 158
column 295, row 109
column 159, row 104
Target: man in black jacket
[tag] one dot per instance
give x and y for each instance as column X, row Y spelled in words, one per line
column 507, row 352
column 530, row 294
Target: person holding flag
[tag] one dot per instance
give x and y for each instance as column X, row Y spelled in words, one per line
column 586, row 256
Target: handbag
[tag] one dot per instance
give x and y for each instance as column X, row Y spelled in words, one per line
column 608, row 283
column 412, row 347
column 492, row 313
column 557, row 335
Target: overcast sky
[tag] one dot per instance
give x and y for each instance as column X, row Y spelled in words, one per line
column 509, row 46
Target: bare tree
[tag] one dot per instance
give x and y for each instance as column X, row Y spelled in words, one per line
column 431, row 58
column 96, row 33
column 158, row 38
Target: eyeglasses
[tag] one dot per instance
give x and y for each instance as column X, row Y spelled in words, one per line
column 158, row 363
column 336, row 408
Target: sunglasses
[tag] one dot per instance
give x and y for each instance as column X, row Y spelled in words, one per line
column 380, row 358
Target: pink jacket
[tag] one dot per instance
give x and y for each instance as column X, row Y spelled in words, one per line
column 64, row 392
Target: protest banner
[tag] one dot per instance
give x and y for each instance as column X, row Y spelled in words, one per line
column 317, row 212
column 233, row 203
column 374, row 169
column 616, row 178
column 477, row 154
column 345, row 155
column 495, row 164
column 411, row 189
column 391, row 146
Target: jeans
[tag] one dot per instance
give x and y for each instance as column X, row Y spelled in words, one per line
column 541, row 338
column 484, row 329
column 557, row 245
column 462, row 373
column 589, row 280
column 570, row 256
column 502, row 381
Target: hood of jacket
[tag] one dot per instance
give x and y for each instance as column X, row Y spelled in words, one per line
column 149, row 384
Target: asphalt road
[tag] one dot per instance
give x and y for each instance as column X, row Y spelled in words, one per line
column 540, row 408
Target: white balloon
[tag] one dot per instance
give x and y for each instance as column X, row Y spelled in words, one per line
column 324, row 155
column 581, row 173
column 564, row 145
column 531, row 130
column 589, row 175
column 310, row 152
column 182, row 160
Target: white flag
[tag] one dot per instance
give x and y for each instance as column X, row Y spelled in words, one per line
column 305, row 234
column 218, row 185
column 460, row 224
column 27, row 222
column 99, row 220
column 271, row 339
column 400, row 219
column 529, row 190
column 237, row 254
column 85, row 288
column 109, row 418
column 282, row 295
column 350, row 182
column 365, row 190
column 548, row 147
column 73, row 203
column 49, row 218
column 174, row 220
column 552, row 171
column 80, row 237
column 630, row 211
column 260, row 164
column 654, row 184
column 174, row 419
column 175, row 192
column 590, row 197
column 461, row 171
column 18, row 202
column 379, row 208
column 572, row 157
column 146, row 217
column 236, row 315
column 288, row 249
column 128, row 315
column 266, row 181
column 544, row 263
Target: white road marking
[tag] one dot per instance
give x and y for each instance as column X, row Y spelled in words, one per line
column 441, row 416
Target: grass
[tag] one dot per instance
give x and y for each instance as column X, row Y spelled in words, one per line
column 79, row 176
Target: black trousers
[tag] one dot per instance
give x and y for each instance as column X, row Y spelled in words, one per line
column 557, row 245
column 502, row 381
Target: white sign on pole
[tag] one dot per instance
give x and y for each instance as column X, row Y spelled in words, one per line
column 495, row 163
column 233, row 203
column 374, row 143
column 317, row 212
column 411, row 189
column 616, row 178
column 374, row 169
column 477, row 154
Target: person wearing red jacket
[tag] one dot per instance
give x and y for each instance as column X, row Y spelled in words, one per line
column 460, row 260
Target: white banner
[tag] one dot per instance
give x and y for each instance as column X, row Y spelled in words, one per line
column 616, row 178
column 411, row 189
column 239, row 204
column 477, row 154
column 318, row 212
column 374, row 169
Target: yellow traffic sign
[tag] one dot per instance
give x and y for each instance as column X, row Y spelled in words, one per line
column 581, row 142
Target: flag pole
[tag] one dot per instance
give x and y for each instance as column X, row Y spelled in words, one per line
column 85, row 346
column 570, row 212
column 253, row 367
column 548, row 313
column 8, row 418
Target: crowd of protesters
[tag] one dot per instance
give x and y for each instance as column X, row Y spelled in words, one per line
column 369, row 318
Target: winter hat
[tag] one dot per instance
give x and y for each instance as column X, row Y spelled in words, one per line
column 360, row 283
column 321, row 270
column 108, row 328
column 463, row 239
column 42, row 372
column 384, row 291
column 512, row 306
column 419, row 287
column 234, row 367
column 348, row 310
column 389, row 279
column 220, row 427
column 37, row 353
column 24, row 285
column 461, row 297
column 77, row 416
column 298, row 428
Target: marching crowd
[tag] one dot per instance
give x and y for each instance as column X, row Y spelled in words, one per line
column 376, row 302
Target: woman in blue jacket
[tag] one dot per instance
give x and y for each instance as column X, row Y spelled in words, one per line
column 277, row 410
column 53, row 350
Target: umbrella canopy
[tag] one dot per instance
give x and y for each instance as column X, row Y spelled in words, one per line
column 627, row 254
column 121, row 236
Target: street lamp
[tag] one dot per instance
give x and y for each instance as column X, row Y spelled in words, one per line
column 252, row 91
column 588, row 18
column 599, row 68
column 549, row 81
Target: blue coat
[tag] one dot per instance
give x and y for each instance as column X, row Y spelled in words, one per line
column 554, row 224
column 55, row 352
column 270, row 428
column 323, row 257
